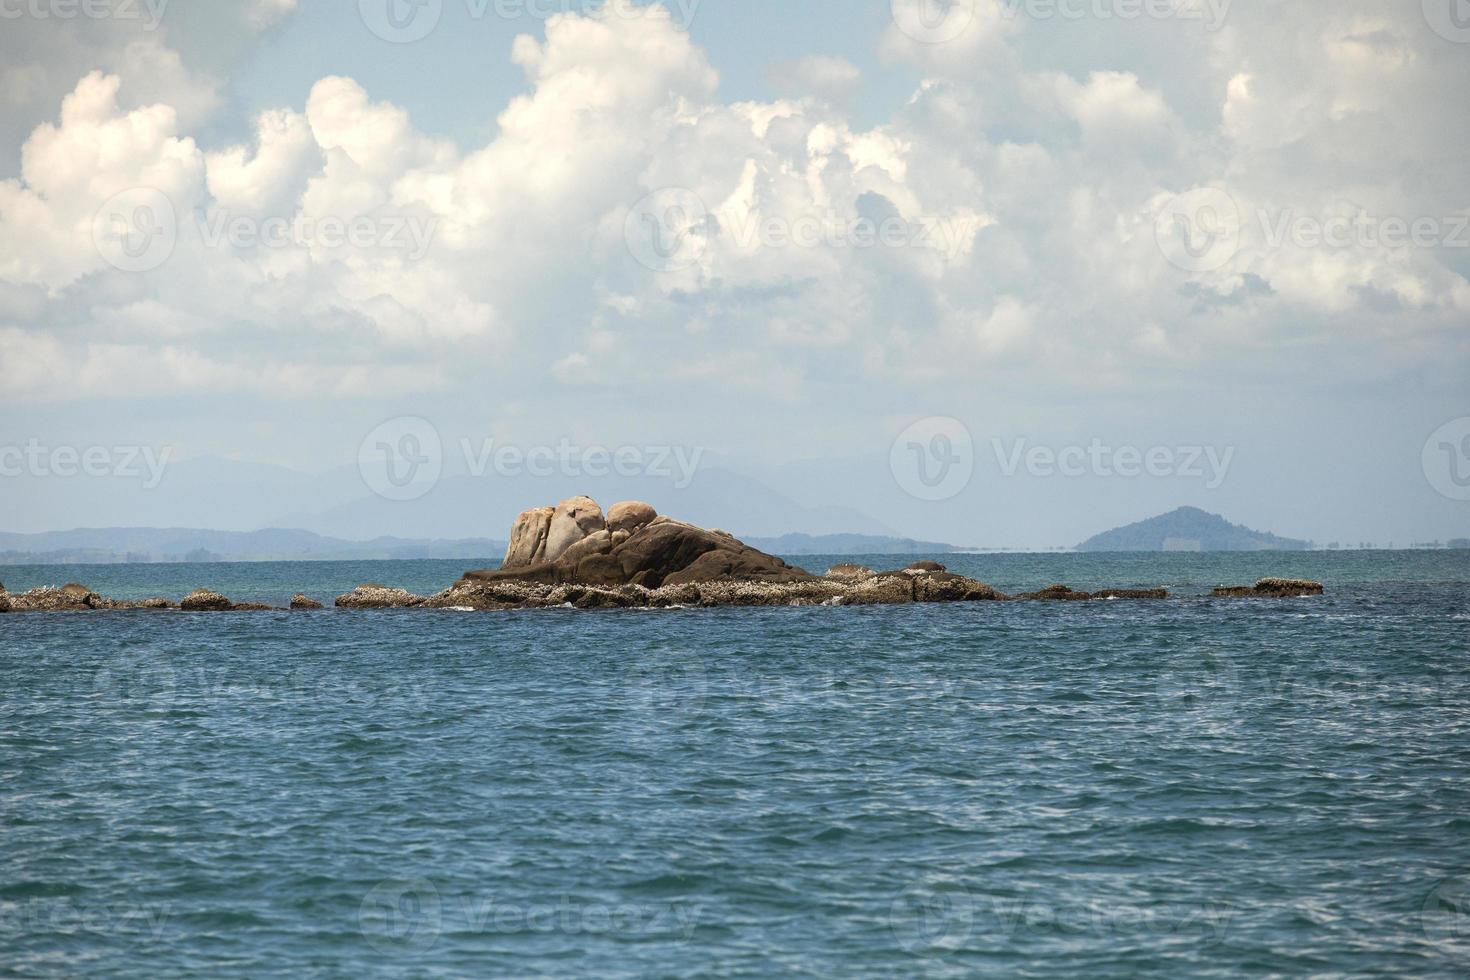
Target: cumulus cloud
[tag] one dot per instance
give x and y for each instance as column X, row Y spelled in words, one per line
column 1010, row 214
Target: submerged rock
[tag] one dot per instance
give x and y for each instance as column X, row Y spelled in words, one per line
column 1271, row 588
column 1058, row 593
column 1132, row 594
column 1063, row 593
column 301, row 601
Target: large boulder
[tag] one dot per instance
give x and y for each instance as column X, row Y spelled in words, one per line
column 630, row 515
column 573, row 520
column 528, row 538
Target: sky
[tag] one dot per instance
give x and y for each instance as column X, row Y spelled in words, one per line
column 1001, row 273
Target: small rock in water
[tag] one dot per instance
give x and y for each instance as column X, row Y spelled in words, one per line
column 1271, row 588
column 374, row 596
column 301, row 601
column 203, row 600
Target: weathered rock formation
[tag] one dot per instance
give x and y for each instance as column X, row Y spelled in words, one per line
column 301, row 601
column 578, row 546
column 1271, row 588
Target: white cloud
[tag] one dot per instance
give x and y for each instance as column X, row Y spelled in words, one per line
column 821, row 76
column 267, row 13
column 1029, row 194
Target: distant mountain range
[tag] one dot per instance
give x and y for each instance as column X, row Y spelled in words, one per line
column 117, row 545
column 1189, row 529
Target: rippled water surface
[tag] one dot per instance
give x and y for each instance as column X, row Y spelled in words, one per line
column 1196, row 787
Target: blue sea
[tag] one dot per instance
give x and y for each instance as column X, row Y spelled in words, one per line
column 1197, row 787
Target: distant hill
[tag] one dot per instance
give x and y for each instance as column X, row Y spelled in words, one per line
column 117, row 545
column 847, row 544
column 1189, row 529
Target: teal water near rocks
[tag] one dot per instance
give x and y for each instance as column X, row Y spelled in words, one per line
column 1111, row 789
